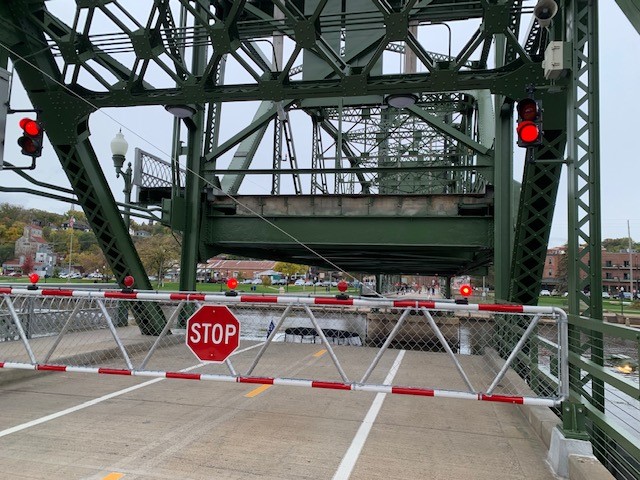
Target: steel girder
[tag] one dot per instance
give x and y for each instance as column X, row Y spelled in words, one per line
column 66, row 118
column 123, row 63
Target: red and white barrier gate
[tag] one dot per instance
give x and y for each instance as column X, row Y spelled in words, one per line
column 470, row 352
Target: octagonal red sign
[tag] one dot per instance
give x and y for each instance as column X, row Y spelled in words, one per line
column 213, row 333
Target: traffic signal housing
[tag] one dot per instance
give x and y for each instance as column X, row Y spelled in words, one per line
column 529, row 127
column 32, row 137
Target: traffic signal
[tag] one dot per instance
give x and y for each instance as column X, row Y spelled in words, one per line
column 32, row 136
column 529, row 127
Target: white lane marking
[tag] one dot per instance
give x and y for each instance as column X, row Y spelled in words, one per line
column 353, row 452
column 95, row 401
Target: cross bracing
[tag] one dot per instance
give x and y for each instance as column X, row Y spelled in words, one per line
column 319, row 70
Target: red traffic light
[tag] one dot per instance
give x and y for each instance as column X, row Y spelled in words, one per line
column 232, row 283
column 529, row 127
column 30, row 127
column 342, row 286
column 128, row 281
column 31, row 139
column 34, row 277
column 465, row 290
column 528, row 132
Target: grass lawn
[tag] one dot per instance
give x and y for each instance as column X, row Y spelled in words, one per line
column 200, row 287
column 608, row 306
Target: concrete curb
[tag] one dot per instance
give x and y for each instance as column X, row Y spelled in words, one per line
column 544, row 421
column 587, row 468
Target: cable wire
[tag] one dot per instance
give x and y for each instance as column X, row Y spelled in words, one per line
column 186, row 169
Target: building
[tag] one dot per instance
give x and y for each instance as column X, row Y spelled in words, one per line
column 32, row 245
column 552, row 276
column 619, row 270
column 221, row 269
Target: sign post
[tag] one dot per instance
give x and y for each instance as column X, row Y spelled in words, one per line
column 213, row 333
column 4, row 108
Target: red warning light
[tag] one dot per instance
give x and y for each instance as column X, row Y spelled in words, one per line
column 342, row 286
column 232, row 283
column 32, row 137
column 465, row 290
column 31, row 128
column 528, row 132
column 529, row 127
column 129, row 281
column 34, row 277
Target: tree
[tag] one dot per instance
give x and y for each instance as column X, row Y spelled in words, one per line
column 563, row 272
column 7, row 251
column 289, row 269
column 158, row 253
column 618, row 244
column 91, row 260
column 27, row 264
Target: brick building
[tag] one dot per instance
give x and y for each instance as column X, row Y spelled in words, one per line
column 221, row 268
column 618, row 268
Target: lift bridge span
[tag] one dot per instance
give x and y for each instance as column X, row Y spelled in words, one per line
column 384, row 128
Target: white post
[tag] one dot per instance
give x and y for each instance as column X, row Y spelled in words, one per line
column 630, row 262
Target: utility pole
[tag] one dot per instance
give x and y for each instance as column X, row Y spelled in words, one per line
column 630, row 261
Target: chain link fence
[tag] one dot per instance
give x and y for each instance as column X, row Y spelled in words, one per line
column 450, row 349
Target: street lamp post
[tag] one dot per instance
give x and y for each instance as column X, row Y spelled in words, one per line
column 119, row 147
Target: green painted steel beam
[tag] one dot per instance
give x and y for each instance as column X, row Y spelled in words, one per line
column 631, row 8
column 448, row 130
column 243, row 156
column 506, row 81
column 394, row 245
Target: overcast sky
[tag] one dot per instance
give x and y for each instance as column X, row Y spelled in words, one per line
column 150, row 129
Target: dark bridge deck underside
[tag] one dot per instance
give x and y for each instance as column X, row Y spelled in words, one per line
column 422, row 234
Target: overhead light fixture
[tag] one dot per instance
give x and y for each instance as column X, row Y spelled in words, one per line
column 180, row 111
column 401, row 100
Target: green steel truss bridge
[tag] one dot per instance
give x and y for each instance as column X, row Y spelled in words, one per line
column 388, row 146
column 382, row 130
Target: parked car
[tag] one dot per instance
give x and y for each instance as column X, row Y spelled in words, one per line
column 545, row 293
column 299, row 282
column 256, row 281
column 606, row 295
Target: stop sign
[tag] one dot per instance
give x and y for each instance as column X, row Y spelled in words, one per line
column 213, row 333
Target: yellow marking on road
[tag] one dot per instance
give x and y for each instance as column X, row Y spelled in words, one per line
column 114, row 476
column 320, row 353
column 257, row 391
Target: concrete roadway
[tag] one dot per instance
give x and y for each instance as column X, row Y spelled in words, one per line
column 82, row 426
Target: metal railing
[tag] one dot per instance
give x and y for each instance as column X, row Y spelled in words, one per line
column 603, row 362
column 604, row 400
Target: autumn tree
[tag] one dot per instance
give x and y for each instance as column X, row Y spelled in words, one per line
column 563, row 272
column 158, row 253
column 27, row 264
column 290, row 269
column 91, row 260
